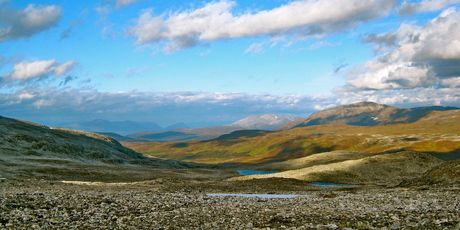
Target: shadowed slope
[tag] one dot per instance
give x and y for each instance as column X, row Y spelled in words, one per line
column 445, row 174
column 27, row 148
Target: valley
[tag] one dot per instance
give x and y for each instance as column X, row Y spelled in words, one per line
column 406, row 171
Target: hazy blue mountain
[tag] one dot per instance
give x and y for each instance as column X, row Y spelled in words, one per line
column 180, row 125
column 119, row 127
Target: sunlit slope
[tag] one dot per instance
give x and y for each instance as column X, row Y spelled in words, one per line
column 388, row 169
column 437, row 132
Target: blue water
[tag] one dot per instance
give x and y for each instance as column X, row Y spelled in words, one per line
column 332, row 184
column 245, row 172
column 270, row 196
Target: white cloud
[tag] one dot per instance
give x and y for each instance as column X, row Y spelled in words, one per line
column 451, row 82
column 257, row 48
column 27, row 70
column 17, row 24
column 123, row 3
column 215, row 21
column 416, row 57
column 424, row 6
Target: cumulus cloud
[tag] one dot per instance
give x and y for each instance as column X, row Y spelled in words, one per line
column 415, row 57
column 424, row 6
column 18, row 24
column 28, row 70
column 215, row 21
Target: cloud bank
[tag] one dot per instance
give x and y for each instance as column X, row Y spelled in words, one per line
column 216, row 21
column 53, row 104
column 20, row 24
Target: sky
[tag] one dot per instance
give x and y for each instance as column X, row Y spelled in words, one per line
column 215, row 62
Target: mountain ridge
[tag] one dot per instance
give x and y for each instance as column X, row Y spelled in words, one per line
column 364, row 114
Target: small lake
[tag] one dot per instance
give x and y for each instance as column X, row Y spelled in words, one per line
column 333, row 184
column 245, row 172
column 269, row 196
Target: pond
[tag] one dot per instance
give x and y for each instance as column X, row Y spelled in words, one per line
column 333, row 184
column 245, row 172
column 269, row 196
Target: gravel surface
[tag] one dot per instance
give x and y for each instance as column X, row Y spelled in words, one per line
column 159, row 204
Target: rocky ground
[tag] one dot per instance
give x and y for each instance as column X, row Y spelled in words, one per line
column 172, row 203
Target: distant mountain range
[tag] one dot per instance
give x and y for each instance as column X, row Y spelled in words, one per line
column 150, row 131
column 119, row 127
column 362, row 114
column 256, row 122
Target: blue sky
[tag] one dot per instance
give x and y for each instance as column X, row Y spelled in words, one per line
column 214, row 62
